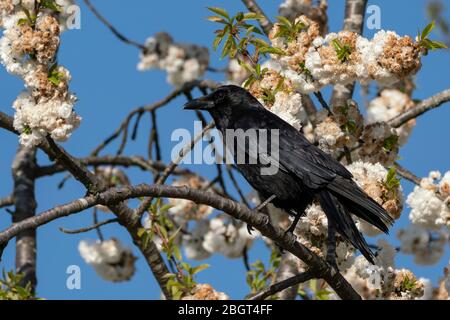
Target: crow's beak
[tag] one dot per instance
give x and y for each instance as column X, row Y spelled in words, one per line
column 199, row 104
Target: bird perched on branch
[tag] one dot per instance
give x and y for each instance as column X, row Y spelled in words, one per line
column 303, row 174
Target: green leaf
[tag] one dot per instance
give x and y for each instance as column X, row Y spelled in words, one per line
column 54, row 80
column 252, row 16
column 50, row 4
column 426, row 32
column 343, row 50
column 390, row 142
column 216, row 19
column 199, row 268
column 260, row 43
column 26, row 129
column 272, row 50
column 220, row 12
column 240, row 16
column 247, row 83
column 22, row 22
column 284, row 21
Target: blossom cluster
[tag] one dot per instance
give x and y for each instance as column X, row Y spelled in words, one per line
column 28, row 50
column 277, row 94
column 110, row 259
column 218, row 235
column 312, row 61
column 182, row 62
column 390, row 104
column 203, row 291
column 428, row 234
column 429, row 202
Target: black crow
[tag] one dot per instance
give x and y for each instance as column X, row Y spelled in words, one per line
column 305, row 173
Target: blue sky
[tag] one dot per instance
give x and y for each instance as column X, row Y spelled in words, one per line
column 109, row 86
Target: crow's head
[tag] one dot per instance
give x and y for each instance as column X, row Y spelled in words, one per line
column 224, row 99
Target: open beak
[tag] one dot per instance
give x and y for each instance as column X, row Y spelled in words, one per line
column 199, row 104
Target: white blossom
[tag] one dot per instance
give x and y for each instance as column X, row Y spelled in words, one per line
column 182, row 62
column 227, row 238
column 36, row 120
column 109, row 258
column 387, row 106
column 193, row 242
column 429, row 207
column 427, row 247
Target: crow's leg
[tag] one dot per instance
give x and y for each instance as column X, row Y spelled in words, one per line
column 261, row 206
column 331, row 245
column 297, row 216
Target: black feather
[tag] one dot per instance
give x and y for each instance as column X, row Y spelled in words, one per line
column 305, row 172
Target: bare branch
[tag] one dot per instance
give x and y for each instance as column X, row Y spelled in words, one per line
column 7, row 201
column 408, row 175
column 265, row 22
column 282, row 285
column 93, row 227
column 124, row 161
column 201, row 84
column 172, row 166
column 119, row 35
column 424, row 106
column 259, row 221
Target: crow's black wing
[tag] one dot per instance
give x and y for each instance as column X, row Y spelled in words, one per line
column 297, row 155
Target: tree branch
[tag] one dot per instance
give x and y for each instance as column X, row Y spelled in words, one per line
column 259, row 221
column 124, row 161
column 200, row 84
column 424, row 106
column 119, row 35
column 25, row 206
column 94, row 186
column 408, row 175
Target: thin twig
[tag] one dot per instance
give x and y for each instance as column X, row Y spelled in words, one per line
column 7, row 201
column 145, row 204
column 201, row 84
column 408, row 175
column 424, row 106
column 118, row 34
column 124, row 161
column 322, row 101
column 279, row 286
column 95, row 226
column 236, row 185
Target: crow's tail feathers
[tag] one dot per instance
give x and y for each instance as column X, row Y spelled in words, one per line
column 356, row 201
column 345, row 226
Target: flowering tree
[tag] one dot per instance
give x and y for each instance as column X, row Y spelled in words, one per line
column 283, row 64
